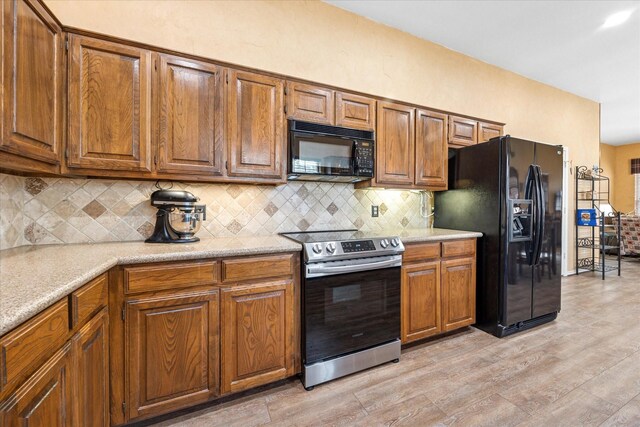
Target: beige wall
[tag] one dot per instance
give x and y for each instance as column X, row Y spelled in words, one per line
column 608, row 165
column 322, row 43
column 622, row 182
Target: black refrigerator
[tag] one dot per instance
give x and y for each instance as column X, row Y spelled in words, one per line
column 510, row 190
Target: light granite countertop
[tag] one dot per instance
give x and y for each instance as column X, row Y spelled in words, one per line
column 416, row 235
column 34, row 277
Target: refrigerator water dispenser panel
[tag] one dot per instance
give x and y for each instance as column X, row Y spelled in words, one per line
column 520, row 218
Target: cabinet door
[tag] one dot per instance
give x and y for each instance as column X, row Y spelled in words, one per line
column 395, row 144
column 190, row 117
column 486, row 131
column 91, row 348
column 172, row 352
column 109, row 106
column 257, row 339
column 420, row 301
column 458, row 293
column 310, row 103
column 431, row 149
column 355, row 111
column 256, row 126
column 462, row 132
column 46, row 398
column 33, row 81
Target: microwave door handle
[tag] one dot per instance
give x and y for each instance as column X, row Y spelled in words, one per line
column 324, row 270
column 354, row 163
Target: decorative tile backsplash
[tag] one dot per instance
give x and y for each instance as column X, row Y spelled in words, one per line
column 11, row 211
column 64, row 210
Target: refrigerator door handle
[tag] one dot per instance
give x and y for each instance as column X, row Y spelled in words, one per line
column 540, row 215
column 531, row 193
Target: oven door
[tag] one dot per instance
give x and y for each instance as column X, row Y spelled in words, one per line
column 350, row 312
column 320, row 154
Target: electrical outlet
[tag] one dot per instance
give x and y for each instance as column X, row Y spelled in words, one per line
column 374, row 211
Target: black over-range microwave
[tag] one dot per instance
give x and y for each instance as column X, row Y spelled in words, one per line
column 329, row 153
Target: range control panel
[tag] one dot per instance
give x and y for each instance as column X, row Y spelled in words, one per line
column 334, row 250
column 358, row 246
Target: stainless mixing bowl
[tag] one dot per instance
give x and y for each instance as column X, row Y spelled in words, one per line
column 185, row 223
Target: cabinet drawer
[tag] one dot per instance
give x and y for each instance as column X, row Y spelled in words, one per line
column 458, row 248
column 257, row 267
column 88, row 300
column 421, row 251
column 25, row 348
column 159, row 277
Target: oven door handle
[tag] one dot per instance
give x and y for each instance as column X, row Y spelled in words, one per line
column 325, row 270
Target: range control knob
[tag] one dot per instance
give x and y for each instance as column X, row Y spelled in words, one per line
column 395, row 242
column 317, row 248
column 331, row 248
column 384, row 243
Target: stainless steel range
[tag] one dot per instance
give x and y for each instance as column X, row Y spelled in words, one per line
column 350, row 302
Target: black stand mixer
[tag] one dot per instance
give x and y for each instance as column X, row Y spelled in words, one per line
column 178, row 218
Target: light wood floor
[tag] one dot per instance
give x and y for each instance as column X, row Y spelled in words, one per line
column 582, row 369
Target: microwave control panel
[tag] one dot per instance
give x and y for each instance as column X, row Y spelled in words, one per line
column 363, row 158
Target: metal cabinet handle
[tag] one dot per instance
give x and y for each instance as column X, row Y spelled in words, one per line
column 318, row 270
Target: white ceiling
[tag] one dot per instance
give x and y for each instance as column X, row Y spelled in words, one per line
column 560, row 43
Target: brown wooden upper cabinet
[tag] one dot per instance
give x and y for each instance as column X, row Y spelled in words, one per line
column 411, row 148
column 190, row 122
column 355, row 111
column 462, row 131
column 486, row 131
column 109, row 106
column 310, row 103
column 325, row 106
column 256, row 130
column 33, row 86
column 395, row 144
column 431, row 150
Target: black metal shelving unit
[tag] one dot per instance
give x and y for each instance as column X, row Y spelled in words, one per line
column 593, row 241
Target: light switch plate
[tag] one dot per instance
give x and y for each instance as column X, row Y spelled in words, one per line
column 374, row 211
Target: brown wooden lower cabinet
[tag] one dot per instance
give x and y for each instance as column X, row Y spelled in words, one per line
column 438, row 294
column 155, row 351
column 46, row 398
column 91, row 348
column 172, row 343
column 220, row 326
column 458, row 293
column 257, row 340
column 421, row 301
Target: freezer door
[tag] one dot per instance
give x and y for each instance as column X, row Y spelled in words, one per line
column 517, row 283
column 546, row 273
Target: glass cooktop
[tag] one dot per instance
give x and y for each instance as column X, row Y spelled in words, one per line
column 333, row 236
